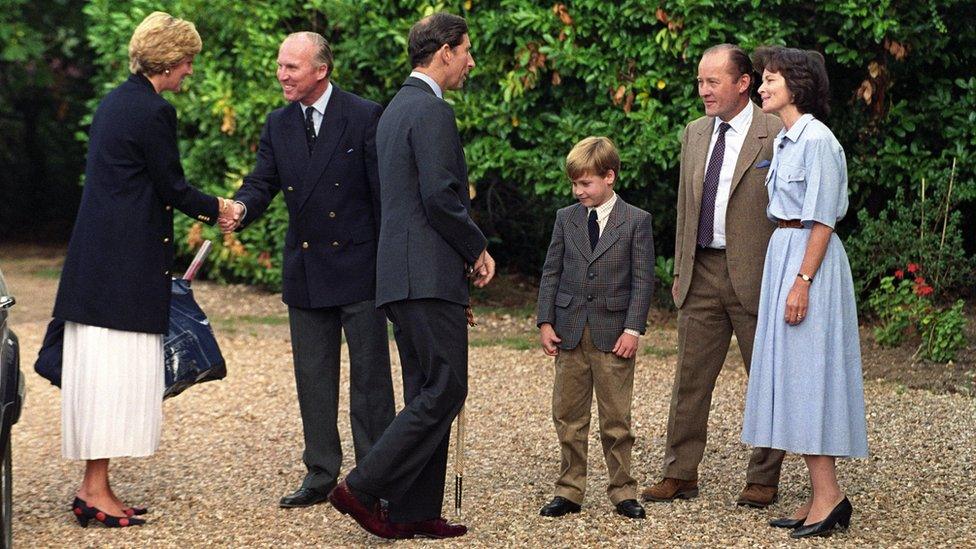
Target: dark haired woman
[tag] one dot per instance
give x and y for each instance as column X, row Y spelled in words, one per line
column 805, row 391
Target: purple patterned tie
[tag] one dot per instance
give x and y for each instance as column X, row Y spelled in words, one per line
column 706, row 219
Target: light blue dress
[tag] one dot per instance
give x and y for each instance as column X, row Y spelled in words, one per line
column 805, row 390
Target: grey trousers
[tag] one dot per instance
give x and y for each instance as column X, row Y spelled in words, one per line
column 706, row 321
column 316, row 342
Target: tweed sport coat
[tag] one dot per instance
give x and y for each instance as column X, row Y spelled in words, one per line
column 747, row 230
column 608, row 288
column 329, row 256
column 427, row 234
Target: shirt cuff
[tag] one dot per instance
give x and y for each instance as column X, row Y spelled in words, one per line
column 244, row 213
column 634, row 333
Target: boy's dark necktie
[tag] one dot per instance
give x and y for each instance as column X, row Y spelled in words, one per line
column 309, row 130
column 594, row 229
column 706, row 219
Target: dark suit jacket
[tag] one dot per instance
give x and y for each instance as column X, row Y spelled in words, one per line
column 747, row 230
column 427, row 235
column 333, row 200
column 609, row 287
column 117, row 271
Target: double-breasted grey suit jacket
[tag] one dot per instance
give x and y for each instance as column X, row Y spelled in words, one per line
column 609, row 287
column 427, row 234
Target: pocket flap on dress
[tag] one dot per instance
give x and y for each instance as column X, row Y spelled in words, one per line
column 618, row 302
column 563, row 299
column 791, row 173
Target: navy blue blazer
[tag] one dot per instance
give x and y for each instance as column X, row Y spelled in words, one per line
column 117, row 271
column 427, row 235
column 332, row 198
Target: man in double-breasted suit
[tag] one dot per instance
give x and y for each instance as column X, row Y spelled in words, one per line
column 428, row 245
column 319, row 152
column 720, row 246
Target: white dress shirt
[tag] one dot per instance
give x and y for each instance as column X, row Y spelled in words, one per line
column 734, row 138
column 602, row 215
column 603, row 211
column 318, row 108
column 430, row 82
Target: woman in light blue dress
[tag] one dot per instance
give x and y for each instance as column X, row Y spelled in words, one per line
column 805, row 391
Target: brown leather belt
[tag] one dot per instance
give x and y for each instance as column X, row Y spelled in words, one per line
column 790, row 224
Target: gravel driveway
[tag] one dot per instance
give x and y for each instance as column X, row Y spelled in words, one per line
column 230, row 449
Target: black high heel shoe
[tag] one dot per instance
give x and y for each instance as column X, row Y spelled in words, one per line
column 787, row 523
column 85, row 513
column 839, row 517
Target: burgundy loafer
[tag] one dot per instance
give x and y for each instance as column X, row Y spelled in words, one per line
column 373, row 521
column 438, row 528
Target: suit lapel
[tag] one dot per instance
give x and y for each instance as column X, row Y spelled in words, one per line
column 611, row 232
column 330, row 133
column 295, row 150
column 699, row 151
column 579, row 234
column 750, row 147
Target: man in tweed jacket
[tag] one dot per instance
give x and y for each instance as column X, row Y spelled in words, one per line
column 595, row 292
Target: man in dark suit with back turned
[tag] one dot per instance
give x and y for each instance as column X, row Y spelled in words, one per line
column 320, row 152
column 428, row 244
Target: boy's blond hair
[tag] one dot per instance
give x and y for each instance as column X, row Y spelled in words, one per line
column 595, row 155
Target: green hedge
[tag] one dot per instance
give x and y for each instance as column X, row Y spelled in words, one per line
column 549, row 74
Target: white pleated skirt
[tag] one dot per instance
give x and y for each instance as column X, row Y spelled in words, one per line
column 111, row 392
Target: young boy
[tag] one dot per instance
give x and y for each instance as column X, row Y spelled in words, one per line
column 593, row 300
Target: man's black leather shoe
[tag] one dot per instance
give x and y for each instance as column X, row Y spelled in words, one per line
column 631, row 509
column 304, row 497
column 558, row 507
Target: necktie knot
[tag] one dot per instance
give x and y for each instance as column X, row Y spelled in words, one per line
column 724, row 127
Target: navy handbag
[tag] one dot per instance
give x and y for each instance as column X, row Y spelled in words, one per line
column 190, row 350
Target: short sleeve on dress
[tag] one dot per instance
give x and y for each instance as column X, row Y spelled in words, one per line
column 825, row 200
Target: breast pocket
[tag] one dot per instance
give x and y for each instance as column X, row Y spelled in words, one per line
column 790, row 175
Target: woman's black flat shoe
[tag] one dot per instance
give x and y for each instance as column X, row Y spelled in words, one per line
column 787, row 523
column 839, row 517
column 85, row 513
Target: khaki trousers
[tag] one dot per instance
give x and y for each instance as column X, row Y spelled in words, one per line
column 711, row 313
column 580, row 372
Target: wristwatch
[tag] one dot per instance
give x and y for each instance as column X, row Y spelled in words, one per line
column 807, row 279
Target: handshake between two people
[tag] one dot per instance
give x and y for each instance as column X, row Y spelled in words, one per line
column 230, row 215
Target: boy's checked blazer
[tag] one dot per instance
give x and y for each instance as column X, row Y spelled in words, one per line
column 608, row 288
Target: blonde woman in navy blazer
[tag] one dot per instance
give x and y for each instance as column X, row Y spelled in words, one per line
column 115, row 284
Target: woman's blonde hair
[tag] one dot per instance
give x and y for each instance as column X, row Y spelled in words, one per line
column 160, row 42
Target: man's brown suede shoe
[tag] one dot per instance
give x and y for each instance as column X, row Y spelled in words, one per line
column 670, row 489
column 757, row 495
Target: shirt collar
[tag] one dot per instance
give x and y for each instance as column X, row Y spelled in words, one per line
column 740, row 123
column 430, row 82
column 794, row 132
column 603, row 210
column 321, row 103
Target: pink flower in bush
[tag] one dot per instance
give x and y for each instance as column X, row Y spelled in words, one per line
column 899, row 274
column 913, row 268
